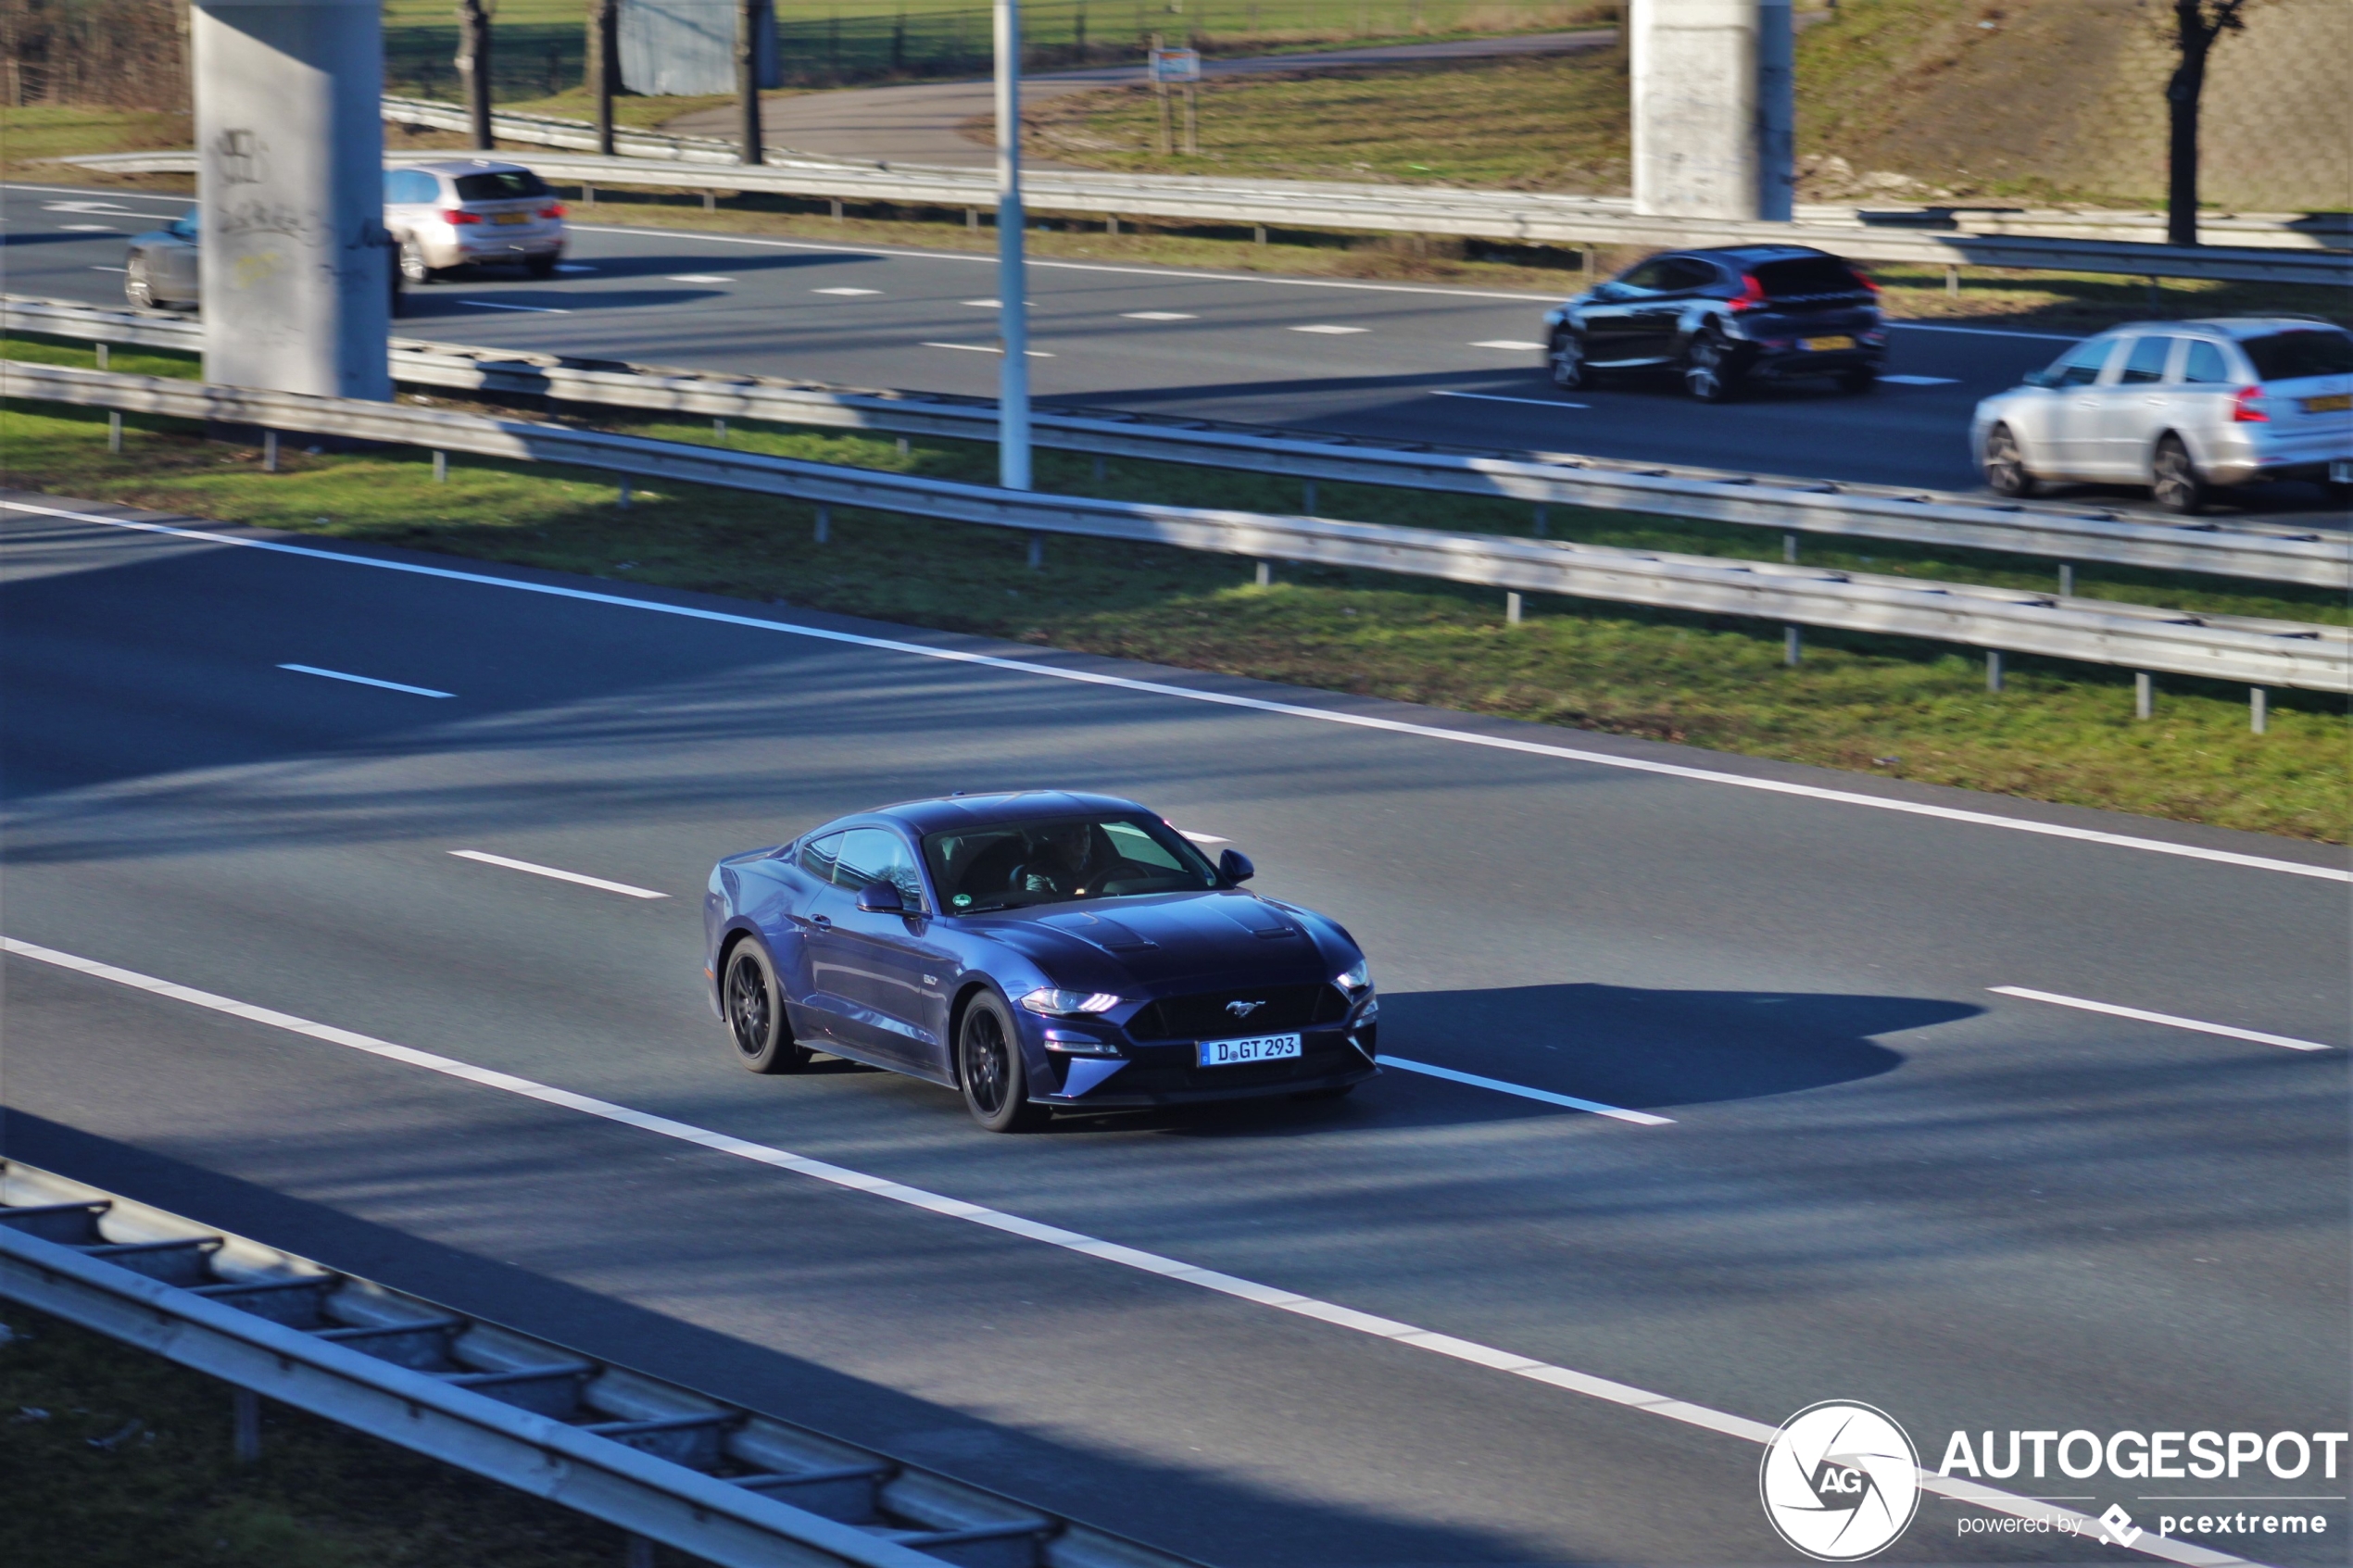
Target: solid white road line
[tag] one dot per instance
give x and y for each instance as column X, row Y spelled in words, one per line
column 989, row 349
column 574, row 266
column 1221, row 699
column 124, row 269
column 984, row 304
column 1330, row 330
column 1511, row 342
column 535, row 309
column 845, row 291
column 1921, row 381
column 621, row 887
column 1397, row 1332
column 1640, row 1118
column 1532, row 402
column 1157, row 316
column 696, row 278
column 2166, row 1019
column 1984, row 332
column 364, row 680
column 89, row 229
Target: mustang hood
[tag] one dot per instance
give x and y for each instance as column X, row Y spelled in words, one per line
column 1230, row 936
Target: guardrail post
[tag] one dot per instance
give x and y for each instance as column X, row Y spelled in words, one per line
column 1258, row 233
column 836, row 210
column 638, row 1553
column 1792, row 644
column 245, row 1413
column 1265, row 575
column 1992, row 670
column 102, row 356
column 1789, row 548
column 1111, row 223
column 711, row 201
column 441, row 468
column 1307, row 496
column 114, row 430
column 624, row 503
column 2258, row 710
column 1511, row 610
column 719, row 431
column 587, row 193
column 1542, row 517
column 2067, row 579
column 1037, row 552
column 1101, row 469
column 824, row 533
column 2144, row 694
column 903, row 446
column 269, row 451
column 971, row 218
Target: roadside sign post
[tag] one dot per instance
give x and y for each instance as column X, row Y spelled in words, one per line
column 1176, row 68
column 1013, row 293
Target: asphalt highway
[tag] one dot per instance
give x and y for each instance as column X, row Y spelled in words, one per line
column 1866, row 1174
column 1391, row 361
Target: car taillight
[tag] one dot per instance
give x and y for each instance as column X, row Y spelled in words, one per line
column 554, row 209
column 1752, row 295
column 2247, row 407
column 1865, row 279
column 460, row 214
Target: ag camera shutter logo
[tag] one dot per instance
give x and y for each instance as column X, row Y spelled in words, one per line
column 1840, row 1481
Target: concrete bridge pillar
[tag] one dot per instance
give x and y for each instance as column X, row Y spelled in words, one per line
column 1713, row 107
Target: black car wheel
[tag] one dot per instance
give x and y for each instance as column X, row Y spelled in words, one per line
column 2175, row 479
column 1565, row 362
column 412, row 264
column 1707, row 371
column 137, row 287
column 755, row 1012
column 988, row 1066
column 2006, row 469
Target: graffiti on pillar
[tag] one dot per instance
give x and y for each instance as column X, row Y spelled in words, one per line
column 241, row 158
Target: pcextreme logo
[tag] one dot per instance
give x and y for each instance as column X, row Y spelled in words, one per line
column 1840, row 1481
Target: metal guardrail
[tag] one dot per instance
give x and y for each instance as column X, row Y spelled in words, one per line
column 2258, row 652
column 2253, row 550
column 668, row 1463
column 1531, row 218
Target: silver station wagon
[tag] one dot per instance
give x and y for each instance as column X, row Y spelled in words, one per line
column 2185, row 407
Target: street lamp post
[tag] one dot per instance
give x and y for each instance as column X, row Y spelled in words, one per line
column 1012, row 293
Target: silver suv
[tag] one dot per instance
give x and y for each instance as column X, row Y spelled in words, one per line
column 441, row 215
column 2186, row 408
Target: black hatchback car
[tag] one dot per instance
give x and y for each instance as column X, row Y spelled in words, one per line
column 1720, row 319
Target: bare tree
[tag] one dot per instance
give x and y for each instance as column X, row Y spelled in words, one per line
column 473, row 64
column 2197, row 26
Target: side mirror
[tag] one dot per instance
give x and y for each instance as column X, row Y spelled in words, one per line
column 2040, row 377
column 1234, row 866
column 881, row 898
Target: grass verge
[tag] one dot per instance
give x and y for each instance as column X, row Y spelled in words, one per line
column 2059, row 731
column 113, row 1457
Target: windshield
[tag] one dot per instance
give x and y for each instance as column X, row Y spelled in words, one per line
column 2317, row 351
column 1009, row 865
column 506, row 183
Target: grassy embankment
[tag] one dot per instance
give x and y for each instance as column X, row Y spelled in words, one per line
column 126, row 1464
column 1916, row 711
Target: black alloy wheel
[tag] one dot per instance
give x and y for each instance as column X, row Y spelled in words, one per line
column 1565, row 362
column 1707, row 369
column 2175, row 479
column 412, row 263
column 988, row 1065
column 2006, row 469
column 755, row 1012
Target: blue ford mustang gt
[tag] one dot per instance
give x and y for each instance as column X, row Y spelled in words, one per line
column 1035, row 950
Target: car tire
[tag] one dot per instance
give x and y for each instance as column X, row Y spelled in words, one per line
column 989, row 1070
column 1708, row 376
column 412, row 264
column 752, row 1004
column 1859, row 381
column 2174, row 481
column 2006, row 469
column 1564, row 362
column 137, row 287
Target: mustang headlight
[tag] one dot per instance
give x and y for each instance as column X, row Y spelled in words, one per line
column 1046, row 999
column 1356, row 978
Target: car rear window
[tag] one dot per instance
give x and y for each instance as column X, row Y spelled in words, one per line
column 505, row 185
column 1804, row 275
column 2316, row 351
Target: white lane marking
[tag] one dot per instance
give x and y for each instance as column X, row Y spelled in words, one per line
column 1227, row 699
column 2166, row 1019
column 1511, row 342
column 1921, row 381
column 1036, row 265
column 1532, row 402
column 1404, row 1334
column 573, row 267
column 501, row 305
column 364, row 680
column 88, row 229
column 696, row 278
column 109, row 208
column 984, row 304
column 1157, row 316
column 1203, row 837
column 1640, row 1118
column 1330, row 330
column 1985, row 331
column 621, row 887
column 845, row 291
column 989, row 349
column 110, row 270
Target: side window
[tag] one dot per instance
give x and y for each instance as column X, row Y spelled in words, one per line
column 1688, row 274
column 1649, row 278
column 1134, row 843
column 2080, row 366
column 872, row 855
column 818, row 856
column 2145, row 363
column 2205, row 363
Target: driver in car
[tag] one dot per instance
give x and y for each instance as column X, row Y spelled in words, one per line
column 1062, row 859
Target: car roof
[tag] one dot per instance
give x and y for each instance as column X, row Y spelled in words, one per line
column 2230, row 326
column 949, row 811
column 1751, row 255
column 471, row 165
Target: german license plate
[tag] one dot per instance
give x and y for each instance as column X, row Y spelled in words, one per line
column 1825, row 344
column 2336, row 403
column 510, row 218
column 1258, row 1048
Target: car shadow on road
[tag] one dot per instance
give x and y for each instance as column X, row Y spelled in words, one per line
column 451, row 299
